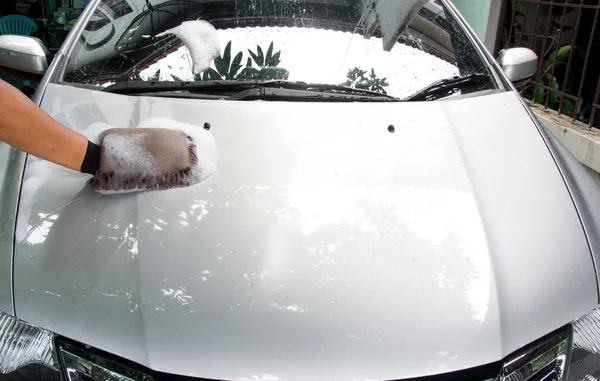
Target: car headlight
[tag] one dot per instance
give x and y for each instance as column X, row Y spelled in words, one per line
column 31, row 353
column 27, row 352
column 81, row 365
column 571, row 353
column 544, row 360
column 584, row 363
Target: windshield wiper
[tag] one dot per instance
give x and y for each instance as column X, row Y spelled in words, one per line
column 274, row 94
column 282, row 94
column 140, row 87
column 250, row 90
column 448, row 86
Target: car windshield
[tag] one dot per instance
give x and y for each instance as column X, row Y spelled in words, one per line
column 390, row 47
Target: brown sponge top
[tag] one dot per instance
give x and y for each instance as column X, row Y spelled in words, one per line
column 166, row 150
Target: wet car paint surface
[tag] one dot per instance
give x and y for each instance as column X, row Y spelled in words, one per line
column 325, row 246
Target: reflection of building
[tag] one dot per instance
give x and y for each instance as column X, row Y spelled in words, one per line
column 485, row 18
column 54, row 18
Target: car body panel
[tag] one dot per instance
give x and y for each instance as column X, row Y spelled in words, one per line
column 585, row 191
column 12, row 162
column 324, row 247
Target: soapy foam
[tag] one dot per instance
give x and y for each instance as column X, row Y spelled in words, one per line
column 201, row 39
column 39, row 171
column 127, row 154
column 206, row 150
column 206, row 145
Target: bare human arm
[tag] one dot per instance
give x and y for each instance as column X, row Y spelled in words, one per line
column 25, row 126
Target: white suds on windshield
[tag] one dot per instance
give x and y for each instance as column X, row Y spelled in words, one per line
column 201, row 39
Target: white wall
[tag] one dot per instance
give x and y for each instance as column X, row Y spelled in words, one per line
column 483, row 16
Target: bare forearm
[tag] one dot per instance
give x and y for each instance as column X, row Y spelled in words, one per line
column 25, row 126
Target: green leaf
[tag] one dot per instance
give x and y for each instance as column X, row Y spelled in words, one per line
column 361, row 79
column 275, row 61
column 261, row 56
column 568, row 107
column 549, row 63
column 254, row 56
column 352, row 74
column 222, row 64
column 235, row 66
column 269, row 55
column 557, row 57
column 570, row 81
column 211, row 75
column 563, row 53
column 155, row 77
column 562, row 56
column 227, row 54
column 540, row 95
column 218, row 61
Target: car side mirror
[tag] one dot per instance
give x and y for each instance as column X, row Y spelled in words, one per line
column 23, row 56
column 519, row 64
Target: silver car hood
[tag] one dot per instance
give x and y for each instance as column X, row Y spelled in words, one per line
column 324, row 247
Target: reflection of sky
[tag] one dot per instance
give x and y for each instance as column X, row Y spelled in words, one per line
column 323, row 194
column 38, row 233
column 447, row 219
column 323, row 56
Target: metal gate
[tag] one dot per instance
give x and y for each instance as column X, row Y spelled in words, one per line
column 566, row 37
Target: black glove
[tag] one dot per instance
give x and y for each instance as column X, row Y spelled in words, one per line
column 91, row 161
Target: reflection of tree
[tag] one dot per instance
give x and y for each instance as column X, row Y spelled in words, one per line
column 270, row 60
column 356, row 78
column 229, row 69
column 226, row 68
column 155, row 76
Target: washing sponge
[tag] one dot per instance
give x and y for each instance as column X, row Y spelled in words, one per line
column 135, row 159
